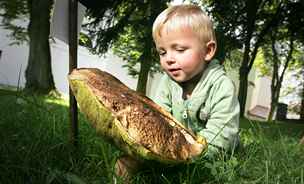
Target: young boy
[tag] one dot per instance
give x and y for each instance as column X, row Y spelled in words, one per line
column 195, row 88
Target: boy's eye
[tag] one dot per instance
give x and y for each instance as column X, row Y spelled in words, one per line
column 161, row 52
column 180, row 49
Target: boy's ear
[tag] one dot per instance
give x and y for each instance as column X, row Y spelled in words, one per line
column 210, row 50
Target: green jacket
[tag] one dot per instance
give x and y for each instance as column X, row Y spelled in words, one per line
column 212, row 110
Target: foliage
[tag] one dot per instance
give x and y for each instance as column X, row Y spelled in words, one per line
column 84, row 40
column 130, row 46
column 129, row 51
column 233, row 59
column 105, row 21
column 35, row 152
column 126, row 25
column 11, row 10
column 261, row 64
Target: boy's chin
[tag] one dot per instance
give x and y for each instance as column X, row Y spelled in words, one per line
column 178, row 79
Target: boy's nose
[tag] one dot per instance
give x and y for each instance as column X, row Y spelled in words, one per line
column 170, row 62
column 170, row 59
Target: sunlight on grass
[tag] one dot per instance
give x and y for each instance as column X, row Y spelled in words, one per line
column 58, row 101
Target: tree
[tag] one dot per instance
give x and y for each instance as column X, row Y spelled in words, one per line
column 248, row 22
column 283, row 46
column 296, row 21
column 297, row 68
column 282, row 57
column 38, row 74
column 297, row 18
column 126, row 25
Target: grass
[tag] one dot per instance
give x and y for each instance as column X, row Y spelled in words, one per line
column 34, row 148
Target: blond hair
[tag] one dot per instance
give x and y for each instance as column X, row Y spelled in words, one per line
column 184, row 16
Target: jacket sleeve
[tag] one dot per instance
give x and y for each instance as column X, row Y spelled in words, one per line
column 163, row 95
column 222, row 127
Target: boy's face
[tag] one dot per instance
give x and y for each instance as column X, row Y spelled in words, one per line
column 182, row 54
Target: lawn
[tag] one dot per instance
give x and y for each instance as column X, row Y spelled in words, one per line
column 34, row 148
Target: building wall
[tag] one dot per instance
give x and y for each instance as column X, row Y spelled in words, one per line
column 109, row 63
column 13, row 63
column 258, row 92
column 262, row 92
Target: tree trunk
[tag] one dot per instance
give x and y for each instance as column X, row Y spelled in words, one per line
column 274, row 95
column 145, row 66
column 38, row 74
column 274, row 103
column 251, row 10
column 275, row 78
column 243, row 87
column 272, row 110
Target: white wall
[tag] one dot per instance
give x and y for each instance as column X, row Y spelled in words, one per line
column 261, row 92
column 258, row 92
column 110, row 63
column 14, row 61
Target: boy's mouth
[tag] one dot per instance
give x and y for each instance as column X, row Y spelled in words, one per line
column 174, row 71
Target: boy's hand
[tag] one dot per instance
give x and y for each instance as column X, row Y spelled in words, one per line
column 196, row 149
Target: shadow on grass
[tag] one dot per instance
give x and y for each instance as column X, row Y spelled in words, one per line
column 34, row 145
